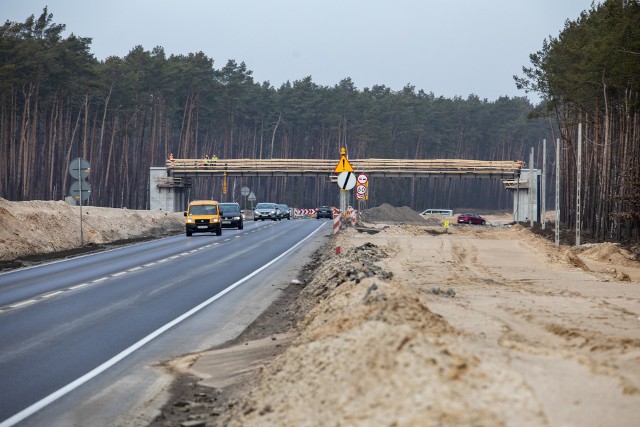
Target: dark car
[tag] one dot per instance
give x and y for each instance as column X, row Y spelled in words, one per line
column 231, row 216
column 266, row 211
column 468, row 218
column 324, row 212
column 284, row 211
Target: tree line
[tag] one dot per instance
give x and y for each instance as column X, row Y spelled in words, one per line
column 124, row 115
column 590, row 76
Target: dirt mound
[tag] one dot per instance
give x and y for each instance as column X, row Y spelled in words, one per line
column 372, row 351
column 45, row 227
column 366, row 333
column 385, row 213
column 609, row 252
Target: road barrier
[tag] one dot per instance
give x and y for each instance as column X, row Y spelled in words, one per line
column 297, row 212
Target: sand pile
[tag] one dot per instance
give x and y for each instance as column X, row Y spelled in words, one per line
column 42, row 227
column 388, row 214
column 609, row 252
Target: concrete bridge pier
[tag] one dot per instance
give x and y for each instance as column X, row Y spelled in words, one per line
column 166, row 193
column 526, row 195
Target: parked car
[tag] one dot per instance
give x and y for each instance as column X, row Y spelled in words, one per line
column 231, row 215
column 324, row 212
column 266, row 211
column 443, row 212
column 284, row 211
column 468, row 218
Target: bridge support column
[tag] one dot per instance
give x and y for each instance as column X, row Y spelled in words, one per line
column 163, row 193
column 526, row 196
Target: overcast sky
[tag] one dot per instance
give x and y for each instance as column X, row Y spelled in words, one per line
column 448, row 47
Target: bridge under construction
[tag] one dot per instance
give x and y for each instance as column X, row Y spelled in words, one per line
column 169, row 183
column 177, row 169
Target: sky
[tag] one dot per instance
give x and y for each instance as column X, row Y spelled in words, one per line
column 447, row 47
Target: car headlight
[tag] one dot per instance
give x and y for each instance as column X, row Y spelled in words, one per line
column 215, row 220
column 236, row 218
column 190, row 221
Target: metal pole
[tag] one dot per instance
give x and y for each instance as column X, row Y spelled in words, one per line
column 558, row 192
column 517, row 218
column 224, row 183
column 543, row 184
column 80, row 182
column 578, row 181
column 531, row 187
column 343, row 207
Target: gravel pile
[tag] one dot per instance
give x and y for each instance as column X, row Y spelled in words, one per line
column 386, row 213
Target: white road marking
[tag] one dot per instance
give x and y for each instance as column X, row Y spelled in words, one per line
column 82, row 285
column 51, row 294
column 22, row 304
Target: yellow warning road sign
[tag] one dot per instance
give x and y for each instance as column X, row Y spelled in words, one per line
column 343, row 164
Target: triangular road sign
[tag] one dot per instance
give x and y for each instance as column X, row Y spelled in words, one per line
column 343, row 165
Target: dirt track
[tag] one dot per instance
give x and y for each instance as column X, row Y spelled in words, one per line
column 481, row 326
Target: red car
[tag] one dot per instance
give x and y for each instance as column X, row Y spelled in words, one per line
column 468, row 218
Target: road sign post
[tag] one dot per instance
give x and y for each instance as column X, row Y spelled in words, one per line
column 252, row 198
column 245, row 192
column 80, row 189
column 362, row 189
column 346, row 181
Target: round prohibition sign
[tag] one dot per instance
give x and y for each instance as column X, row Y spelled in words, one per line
column 361, row 189
column 363, row 179
column 346, row 180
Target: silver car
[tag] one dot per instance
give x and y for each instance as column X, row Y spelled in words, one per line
column 266, row 211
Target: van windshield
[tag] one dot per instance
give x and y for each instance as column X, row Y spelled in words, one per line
column 203, row 210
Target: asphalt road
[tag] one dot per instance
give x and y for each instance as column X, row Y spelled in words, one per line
column 77, row 337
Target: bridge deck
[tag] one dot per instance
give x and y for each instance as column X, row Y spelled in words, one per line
column 178, row 168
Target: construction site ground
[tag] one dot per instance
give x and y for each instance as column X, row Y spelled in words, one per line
column 399, row 323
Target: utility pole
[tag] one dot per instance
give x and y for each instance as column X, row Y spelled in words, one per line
column 80, row 182
column 558, row 192
column 578, row 182
column 543, row 184
column 532, row 185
